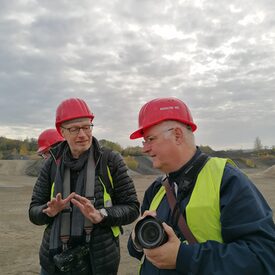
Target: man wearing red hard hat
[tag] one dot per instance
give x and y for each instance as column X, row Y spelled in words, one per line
column 204, row 216
column 82, row 199
column 47, row 140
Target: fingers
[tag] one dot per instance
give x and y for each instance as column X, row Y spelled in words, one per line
column 48, row 211
column 58, row 197
column 149, row 213
column 45, row 211
column 57, row 204
column 87, row 208
column 82, row 203
column 164, row 256
column 77, row 204
column 70, row 197
column 81, row 199
column 169, row 230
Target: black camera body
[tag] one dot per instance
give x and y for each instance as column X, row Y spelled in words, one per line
column 149, row 233
column 73, row 259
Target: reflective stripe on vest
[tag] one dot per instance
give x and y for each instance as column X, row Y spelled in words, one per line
column 110, row 176
column 107, row 203
column 52, row 191
column 203, row 208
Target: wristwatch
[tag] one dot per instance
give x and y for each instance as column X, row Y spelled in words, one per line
column 103, row 212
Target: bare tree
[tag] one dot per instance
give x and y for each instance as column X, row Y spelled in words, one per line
column 258, row 144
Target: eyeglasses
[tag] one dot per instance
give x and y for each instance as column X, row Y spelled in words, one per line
column 45, row 155
column 74, row 131
column 150, row 139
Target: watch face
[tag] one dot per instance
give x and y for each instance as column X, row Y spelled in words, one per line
column 103, row 212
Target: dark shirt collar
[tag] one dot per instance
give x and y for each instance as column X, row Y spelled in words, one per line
column 178, row 175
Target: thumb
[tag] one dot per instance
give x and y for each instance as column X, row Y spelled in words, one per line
column 58, row 197
column 169, row 230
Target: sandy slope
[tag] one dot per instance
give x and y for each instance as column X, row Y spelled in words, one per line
column 20, row 240
column 14, row 167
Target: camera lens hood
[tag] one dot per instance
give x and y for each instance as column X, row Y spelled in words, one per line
column 150, row 233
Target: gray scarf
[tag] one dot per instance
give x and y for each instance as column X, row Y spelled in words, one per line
column 78, row 185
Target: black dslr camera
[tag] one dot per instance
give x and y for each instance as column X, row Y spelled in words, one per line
column 73, row 259
column 149, row 233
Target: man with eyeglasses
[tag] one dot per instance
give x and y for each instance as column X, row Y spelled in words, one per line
column 83, row 212
column 215, row 219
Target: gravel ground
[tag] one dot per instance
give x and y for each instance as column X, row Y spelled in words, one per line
column 20, row 240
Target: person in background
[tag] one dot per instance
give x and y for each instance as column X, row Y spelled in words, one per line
column 47, row 140
column 83, row 214
column 230, row 221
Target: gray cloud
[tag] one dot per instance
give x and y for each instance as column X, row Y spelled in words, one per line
column 218, row 57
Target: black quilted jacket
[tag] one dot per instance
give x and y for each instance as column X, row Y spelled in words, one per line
column 104, row 247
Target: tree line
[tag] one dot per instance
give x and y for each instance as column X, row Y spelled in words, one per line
column 27, row 148
column 23, row 149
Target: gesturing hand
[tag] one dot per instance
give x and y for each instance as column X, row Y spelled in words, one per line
column 57, row 204
column 165, row 256
column 87, row 209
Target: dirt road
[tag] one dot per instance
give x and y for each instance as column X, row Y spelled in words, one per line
column 20, row 240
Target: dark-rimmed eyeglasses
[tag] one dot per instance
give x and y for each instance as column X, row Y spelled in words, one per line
column 45, row 155
column 148, row 140
column 75, row 130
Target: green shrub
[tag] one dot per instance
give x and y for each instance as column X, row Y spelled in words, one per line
column 131, row 162
column 249, row 163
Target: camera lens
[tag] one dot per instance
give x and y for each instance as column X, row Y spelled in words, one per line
column 150, row 232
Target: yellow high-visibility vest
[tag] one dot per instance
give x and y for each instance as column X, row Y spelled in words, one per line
column 203, row 208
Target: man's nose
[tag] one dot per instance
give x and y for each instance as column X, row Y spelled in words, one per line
column 146, row 147
column 81, row 132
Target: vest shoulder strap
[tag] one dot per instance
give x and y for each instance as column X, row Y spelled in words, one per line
column 104, row 170
column 192, row 172
column 190, row 177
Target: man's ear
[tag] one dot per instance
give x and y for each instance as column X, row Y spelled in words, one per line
column 62, row 131
column 178, row 135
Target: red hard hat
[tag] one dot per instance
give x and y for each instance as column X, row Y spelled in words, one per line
column 70, row 109
column 160, row 109
column 48, row 139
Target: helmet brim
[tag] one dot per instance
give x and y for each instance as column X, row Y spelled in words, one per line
column 42, row 149
column 139, row 133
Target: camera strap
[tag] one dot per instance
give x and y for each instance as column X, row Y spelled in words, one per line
column 192, row 174
column 90, row 192
column 181, row 221
column 65, row 228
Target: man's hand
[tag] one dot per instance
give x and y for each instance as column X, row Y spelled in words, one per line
column 56, row 205
column 165, row 256
column 87, row 209
column 146, row 213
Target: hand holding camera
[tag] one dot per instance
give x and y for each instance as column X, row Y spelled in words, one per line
column 165, row 256
column 149, row 232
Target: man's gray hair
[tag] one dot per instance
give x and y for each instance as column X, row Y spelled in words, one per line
column 75, row 120
column 186, row 129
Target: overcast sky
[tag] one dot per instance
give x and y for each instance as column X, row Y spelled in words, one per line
column 216, row 56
